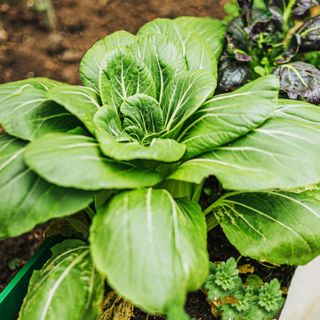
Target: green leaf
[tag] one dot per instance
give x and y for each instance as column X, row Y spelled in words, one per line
column 26, row 199
column 165, row 150
column 67, row 287
column 165, row 27
column 164, row 58
column 184, row 95
column 143, row 112
column 116, row 145
column 283, row 153
column 25, row 113
column 123, row 75
column 43, row 84
column 279, row 227
column 227, row 117
column 82, row 102
column 197, row 52
column 223, row 280
column 211, row 30
column 91, row 62
column 151, row 270
column 107, row 119
column 200, row 56
column 76, row 161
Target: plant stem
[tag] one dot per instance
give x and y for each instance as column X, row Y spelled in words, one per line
column 212, row 222
column 197, row 189
column 287, row 14
column 89, row 212
column 219, row 201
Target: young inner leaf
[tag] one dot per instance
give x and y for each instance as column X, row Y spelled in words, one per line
column 142, row 116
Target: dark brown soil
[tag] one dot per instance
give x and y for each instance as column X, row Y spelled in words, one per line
column 196, row 307
column 28, row 48
column 15, row 252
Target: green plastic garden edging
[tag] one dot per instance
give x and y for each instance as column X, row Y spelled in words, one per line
column 12, row 296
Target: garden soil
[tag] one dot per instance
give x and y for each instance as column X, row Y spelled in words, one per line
column 29, row 48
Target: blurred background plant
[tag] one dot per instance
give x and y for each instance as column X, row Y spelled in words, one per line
column 45, row 7
column 232, row 299
column 269, row 36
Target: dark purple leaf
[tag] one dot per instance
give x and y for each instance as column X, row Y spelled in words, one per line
column 237, row 37
column 262, row 21
column 310, row 35
column 245, row 4
column 238, row 53
column 302, row 6
column 300, row 81
column 232, row 74
column 277, row 17
column 237, row 32
column 293, row 49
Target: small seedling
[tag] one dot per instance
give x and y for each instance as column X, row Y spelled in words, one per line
column 231, row 299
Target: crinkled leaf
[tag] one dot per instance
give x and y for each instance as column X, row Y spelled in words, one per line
column 302, row 6
column 165, row 150
column 152, row 274
column 25, row 113
column 226, row 117
column 26, row 199
column 82, row 102
column 223, row 280
column 198, row 53
column 91, row 62
column 277, row 17
column 300, row 80
column 184, row 95
column 239, row 54
column 292, row 50
column 232, row 74
column 164, row 58
column 76, row 161
column 270, row 299
column 143, row 112
column 267, row 157
column 211, row 30
column 123, row 75
column 262, row 21
column 68, row 274
column 282, row 228
column 309, row 34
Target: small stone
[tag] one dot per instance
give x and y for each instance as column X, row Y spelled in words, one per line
column 4, row 8
column 55, row 44
column 71, row 56
column 3, row 35
column 30, row 74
